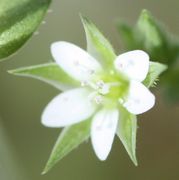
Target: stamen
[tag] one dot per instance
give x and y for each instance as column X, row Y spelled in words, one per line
column 98, row 99
column 102, row 87
column 95, row 97
column 100, row 84
column 105, row 89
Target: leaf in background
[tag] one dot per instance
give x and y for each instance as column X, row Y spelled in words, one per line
column 152, row 36
column 50, row 73
column 129, row 37
column 155, row 70
column 70, row 138
column 18, row 21
column 97, row 45
column 127, row 131
column 156, row 40
column 170, row 82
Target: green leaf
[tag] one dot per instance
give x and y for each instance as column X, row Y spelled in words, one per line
column 70, row 138
column 129, row 37
column 170, row 85
column 157, row 41
column 127, row 130
column 50, row 73
column 155, row 70
column 152, row 36
column 18, row 21
column 150, row 29
column 97, row 45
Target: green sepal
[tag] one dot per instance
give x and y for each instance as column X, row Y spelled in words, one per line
column 97, row 45
column 70, row 138
column 155, row 70
column 50, row 73
column 127, row 131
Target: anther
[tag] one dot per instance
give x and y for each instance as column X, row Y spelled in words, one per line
column 102, row 87
column 100, row 84
column 98, row 99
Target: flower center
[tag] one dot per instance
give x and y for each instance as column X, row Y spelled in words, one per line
column 108, row 88
column 105, row 93
column 103, row 88
column 99, row 90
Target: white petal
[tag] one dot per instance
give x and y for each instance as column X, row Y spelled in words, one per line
column 68, row 108
column 140, row 99
column 103, row 130
column 74, row 60
column 135, row 64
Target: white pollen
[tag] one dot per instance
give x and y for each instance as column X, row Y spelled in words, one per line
column 100, row 84
column 98, row 99
column 105, row 89
column 102, row 87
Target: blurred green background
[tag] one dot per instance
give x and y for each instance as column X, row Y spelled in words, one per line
column 25, row 144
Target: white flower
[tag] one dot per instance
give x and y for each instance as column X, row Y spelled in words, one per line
column 100, row 94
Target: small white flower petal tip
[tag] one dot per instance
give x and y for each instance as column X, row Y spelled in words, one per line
column 135, row 64
column 140, row 99
column 74, row 60
column 68, row 108
column 103, row 130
